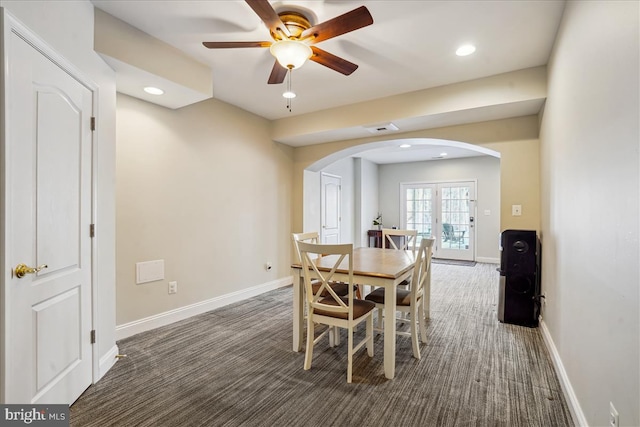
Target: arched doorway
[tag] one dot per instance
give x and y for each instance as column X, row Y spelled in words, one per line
column 371, row 187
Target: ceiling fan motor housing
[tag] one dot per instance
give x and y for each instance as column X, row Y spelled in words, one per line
column 295, row 22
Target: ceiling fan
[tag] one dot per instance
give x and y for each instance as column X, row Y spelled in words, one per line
column 294, row 38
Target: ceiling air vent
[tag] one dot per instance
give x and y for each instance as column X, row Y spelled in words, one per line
column 381, row 128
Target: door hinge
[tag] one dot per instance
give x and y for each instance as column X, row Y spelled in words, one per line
column 92, row 230
column 93, row 336
column 93, row 123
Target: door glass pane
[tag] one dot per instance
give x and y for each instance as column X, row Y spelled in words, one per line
column 419, row 211
column 455, row 218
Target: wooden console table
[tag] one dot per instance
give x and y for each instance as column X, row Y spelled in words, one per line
column 375, row 237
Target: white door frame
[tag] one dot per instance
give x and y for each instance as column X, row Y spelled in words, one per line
column 9, row 24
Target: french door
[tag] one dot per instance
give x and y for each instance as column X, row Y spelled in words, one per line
column 444, row 211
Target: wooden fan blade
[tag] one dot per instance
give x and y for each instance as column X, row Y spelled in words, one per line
column 339, row 25
column 331, row 61
column 278, row 73
column 223, row 45
column 265, row 11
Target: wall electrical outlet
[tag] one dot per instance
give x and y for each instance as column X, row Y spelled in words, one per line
column 614, row 420
column 173, row 287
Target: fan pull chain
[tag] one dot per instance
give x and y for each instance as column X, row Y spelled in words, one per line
column 289, row 89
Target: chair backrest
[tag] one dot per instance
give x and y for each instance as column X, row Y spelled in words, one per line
column 310, row 237
column 422, row 269
column 310, row 252
column 409, row 238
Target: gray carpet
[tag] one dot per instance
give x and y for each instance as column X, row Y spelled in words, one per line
column 234, row 367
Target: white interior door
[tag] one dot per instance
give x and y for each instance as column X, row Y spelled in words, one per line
column 444, row 211
column 47, row 164
column 330, row 208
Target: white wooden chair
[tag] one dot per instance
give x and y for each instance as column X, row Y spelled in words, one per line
column 333, row 310
column 406, row 242
column 412, row 301
column 313, row 237
column 340, row 288
column 407, row 239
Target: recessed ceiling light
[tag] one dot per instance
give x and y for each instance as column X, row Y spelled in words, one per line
column 405, row 145
column 465, row 50
column 289, row 94
column 153, row 90
column 443, row 154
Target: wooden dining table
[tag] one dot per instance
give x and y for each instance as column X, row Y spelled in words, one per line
column 372, row 267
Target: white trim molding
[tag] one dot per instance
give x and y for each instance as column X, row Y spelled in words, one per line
column 171, row 316
column 107, row 361
column 570, row 396
column 488, row 260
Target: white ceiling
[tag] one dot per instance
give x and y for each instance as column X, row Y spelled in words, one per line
column 410, row 46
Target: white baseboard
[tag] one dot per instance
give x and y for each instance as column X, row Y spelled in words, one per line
column 168, row 317
column 107, row 361
column 570, row 396
column 488, row 260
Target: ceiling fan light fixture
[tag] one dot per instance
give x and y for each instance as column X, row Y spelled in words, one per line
column 291, row 54
column 289, row 94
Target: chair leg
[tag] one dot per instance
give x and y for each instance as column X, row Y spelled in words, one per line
column 332, row 337
column 423, row 323
column 310, row 338
column 350, row 355
column 414, row 338
column 370, row 335
column 379, row 318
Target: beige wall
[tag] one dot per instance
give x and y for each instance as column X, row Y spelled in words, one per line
column 519, row 183
column 515, row 140
column 205, row 189
column 590, row 180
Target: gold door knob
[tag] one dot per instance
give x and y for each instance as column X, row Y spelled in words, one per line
column 22, row 269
